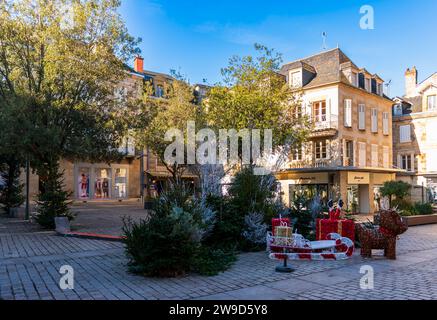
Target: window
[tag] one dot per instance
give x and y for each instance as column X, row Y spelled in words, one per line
column 319, row 111
column 385, row 156
column 296, row 79
column 298, row 111
column 361, row 117
column 296, row 154
column 380, row 90
column 374, row 120
column 367, row 84
column 405, row 133
column 348, row 113
column 362, row 154
column 349, row 153
column 432, row 102
column 385, row 123
column 320, row 149
column 374, row 155
column 397, row 110
column 406, row 162
column 159, row 91
column 354, row 79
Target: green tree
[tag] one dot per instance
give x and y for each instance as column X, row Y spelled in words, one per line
column 66, row 57
column 255, row 96
column 156, row 116
column 395, row 189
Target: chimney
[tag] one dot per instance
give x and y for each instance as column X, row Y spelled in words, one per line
column 139, row 64
column 410, row 82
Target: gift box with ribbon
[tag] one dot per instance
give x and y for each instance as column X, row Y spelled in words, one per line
column 345, row 228
column 282, row 231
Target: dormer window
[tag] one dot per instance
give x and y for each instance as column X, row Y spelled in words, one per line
column 354, row 79
column 296, row 79
column 367, row 84
column 432, row 102
column 379, row 89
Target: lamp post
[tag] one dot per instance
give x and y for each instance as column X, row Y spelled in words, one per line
column 26, row 214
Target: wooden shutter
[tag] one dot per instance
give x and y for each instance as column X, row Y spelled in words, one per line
column 362, row 154
column 385, row 157
column 375, row 156
column 348, row 113
column 405, row 133
column 361, row 117
column 385, row 124
column 374, row 120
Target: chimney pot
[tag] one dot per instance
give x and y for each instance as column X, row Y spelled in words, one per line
column 410, row 82
column 139, row 64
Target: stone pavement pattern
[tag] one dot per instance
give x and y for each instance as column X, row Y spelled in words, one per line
column 30, row 261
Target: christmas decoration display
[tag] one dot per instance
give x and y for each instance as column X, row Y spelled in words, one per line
column 383, row 237
column 335, row 247
column 344, row 227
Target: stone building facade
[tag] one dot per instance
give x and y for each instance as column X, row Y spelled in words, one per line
column 415, row 134
column 349, row 152
column 126, row 178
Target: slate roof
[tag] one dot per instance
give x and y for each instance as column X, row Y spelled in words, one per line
column 326, row 66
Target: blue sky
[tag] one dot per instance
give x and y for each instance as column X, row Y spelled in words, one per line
column 198, row 37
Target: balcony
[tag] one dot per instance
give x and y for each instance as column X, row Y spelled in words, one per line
column 318, row 163
column 324, row 126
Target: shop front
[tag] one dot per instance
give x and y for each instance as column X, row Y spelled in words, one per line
column 358, row 189
column 309, row 185
column 101, row 181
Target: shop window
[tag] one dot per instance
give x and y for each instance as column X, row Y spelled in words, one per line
column 102, row 183
column 83, row 183
column 120, row 183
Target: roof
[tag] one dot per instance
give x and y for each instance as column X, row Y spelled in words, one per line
column 327, row 67
column 325, row 64
column 147, row 73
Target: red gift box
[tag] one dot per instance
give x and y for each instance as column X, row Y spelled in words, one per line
column 345, row 228
column 276, row 222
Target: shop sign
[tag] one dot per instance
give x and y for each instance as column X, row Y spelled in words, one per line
column 305, row 178
column 358, row 178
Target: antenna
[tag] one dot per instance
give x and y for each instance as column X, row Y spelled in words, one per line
column 387, row 85
column 324, row 36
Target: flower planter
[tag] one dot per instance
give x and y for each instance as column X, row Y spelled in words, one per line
column 420, row 220
column 62, row 225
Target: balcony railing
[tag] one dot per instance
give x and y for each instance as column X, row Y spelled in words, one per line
column 325, row 122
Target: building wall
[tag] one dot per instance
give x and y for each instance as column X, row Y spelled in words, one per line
column 365, row 136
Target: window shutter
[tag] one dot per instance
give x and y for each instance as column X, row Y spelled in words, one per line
column 385, row 128
column 374, row 155
column 405, row 133
column 385, row 157
column 348, row 113
column 374, row 120
column 361, row 117
column 362, row 156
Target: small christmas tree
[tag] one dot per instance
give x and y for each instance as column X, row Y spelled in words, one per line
column 52, row 199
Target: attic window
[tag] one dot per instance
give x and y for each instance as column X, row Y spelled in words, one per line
column 296, row 79
column 432, row 102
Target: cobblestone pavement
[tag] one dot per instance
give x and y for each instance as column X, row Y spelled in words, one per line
column 30, row 263
column 105, row 217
